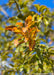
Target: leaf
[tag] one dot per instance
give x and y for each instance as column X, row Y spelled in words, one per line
column 9, row 28
column 25, row 31
column 41, row 66
column 25, row 10
column 13, row 29
column 37, row 6
column 11, row 2
column 28, row 19
column 31, row 44
column 1, row 28
column 19, row 23
column 42, row 8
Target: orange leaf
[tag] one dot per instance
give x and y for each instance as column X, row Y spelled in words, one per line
column 28, row 32
column 24, row 29
column 14, row 29
column 31, row 45
column 19, row 23
column 28, row 19
column 37, row 30
column 26, row 39
column 9, row 28
column 16, row 42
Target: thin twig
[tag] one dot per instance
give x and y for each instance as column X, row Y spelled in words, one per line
column 17, row 6
column 1, row 9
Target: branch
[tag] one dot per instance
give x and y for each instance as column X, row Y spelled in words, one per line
column 17, row 6
column 1, row 9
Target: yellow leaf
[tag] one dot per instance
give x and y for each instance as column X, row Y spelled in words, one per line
column 37, row 30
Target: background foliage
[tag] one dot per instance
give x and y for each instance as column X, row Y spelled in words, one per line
column 16, row 59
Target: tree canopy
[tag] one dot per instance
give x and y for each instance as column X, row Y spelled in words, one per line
column 26, row 38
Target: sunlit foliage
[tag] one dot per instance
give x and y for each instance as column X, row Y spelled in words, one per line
column 26, row 39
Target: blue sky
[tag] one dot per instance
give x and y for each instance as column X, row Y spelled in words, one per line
column 48, row 3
